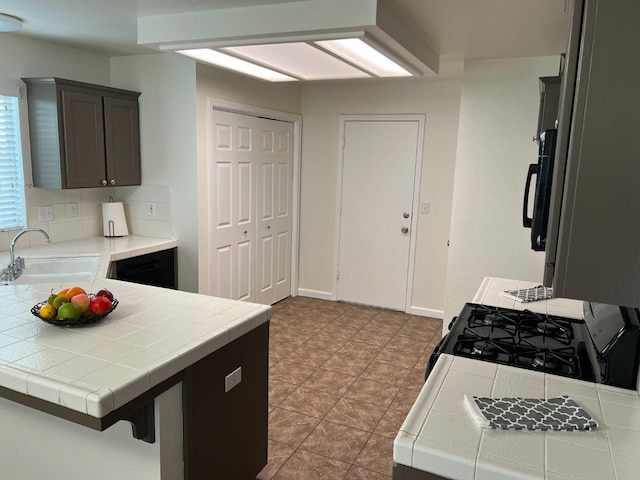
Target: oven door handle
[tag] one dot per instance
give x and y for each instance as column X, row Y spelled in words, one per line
column 533, row 170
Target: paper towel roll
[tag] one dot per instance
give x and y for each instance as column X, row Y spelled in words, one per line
column 114, row 222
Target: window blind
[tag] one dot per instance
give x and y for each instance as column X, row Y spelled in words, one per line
column 12, row 209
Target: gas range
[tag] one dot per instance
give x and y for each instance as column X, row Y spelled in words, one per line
column 606, row 353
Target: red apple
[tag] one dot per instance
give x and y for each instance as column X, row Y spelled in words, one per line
column 100, row 305
column 105, row 293
column 82, row 301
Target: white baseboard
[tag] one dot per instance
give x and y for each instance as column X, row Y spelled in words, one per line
column 306, row 292
column 427, row 312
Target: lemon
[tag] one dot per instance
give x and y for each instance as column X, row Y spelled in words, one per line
column 47, row 311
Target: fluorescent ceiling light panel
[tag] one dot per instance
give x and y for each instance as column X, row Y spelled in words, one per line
column 232, row 63
column 299, row 59
column 360, row 53
column 9, row 23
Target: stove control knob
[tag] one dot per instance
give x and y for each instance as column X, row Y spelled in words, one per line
column 452, row 322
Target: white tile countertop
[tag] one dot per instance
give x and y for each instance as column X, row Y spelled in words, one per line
column 440, row 436
column 153, row 334
column 109, row 249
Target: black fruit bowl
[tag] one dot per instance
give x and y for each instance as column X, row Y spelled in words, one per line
column 76, row 322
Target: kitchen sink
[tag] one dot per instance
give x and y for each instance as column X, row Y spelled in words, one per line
column 58, row 269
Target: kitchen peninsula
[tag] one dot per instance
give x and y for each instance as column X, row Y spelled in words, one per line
column 159, row 361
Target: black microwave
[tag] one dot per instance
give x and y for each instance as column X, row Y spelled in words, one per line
column 543, row 174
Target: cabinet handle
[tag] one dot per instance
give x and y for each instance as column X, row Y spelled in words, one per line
column 112, row 182
column 103, row 182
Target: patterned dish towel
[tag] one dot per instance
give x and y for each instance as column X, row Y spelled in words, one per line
column 532, row 294
column 559, row 413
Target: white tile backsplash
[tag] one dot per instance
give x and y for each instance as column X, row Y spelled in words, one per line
column 88, row 223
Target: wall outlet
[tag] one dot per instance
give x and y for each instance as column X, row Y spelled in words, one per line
column 425, row 208
column 233, row 379
column 151, row 209
column 73, row 210
column 45, row 214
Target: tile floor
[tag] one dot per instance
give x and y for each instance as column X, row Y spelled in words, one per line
column 342, row 379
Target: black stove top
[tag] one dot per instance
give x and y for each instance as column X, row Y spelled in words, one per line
column 520, row 338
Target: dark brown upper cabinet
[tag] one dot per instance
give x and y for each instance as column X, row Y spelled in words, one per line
column 82, row 135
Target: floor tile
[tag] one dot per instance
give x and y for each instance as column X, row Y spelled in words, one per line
column 377, row 455
column 290, row 428
column 405, row 398
column 346, row 364
column 371, row 337
column 290, row 372
column 309, row 466
column 324, row 342
column 381, row 325
column 310, row 402
column 386, row 373
column 340, row 331
column 356, row 414
column 278, row 454
column 390, row 423
column 328, row 381
column 407, row 344
column 359, row 473
column 406, row 359
column 360, row 349
column 278, row 391
column 369, row 391
column 314, row 357
column 336, row 441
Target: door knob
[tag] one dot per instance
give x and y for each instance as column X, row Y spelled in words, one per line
column 405, row 214
column 112, row 182
column 103, row 182
column 404, row 229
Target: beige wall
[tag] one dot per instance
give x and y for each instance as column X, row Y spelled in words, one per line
column 498, row 119
column 167, row 144
column 218, row 84
column 322, row 105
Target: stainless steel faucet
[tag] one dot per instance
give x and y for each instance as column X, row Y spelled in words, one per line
column 14, row 269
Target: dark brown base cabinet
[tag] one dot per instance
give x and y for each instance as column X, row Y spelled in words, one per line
column 82, row 135
column 225, row 434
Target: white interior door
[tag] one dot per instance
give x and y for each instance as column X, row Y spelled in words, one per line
column 379, row 170
column 251, row 181
column 275, row 188
column 234, row 226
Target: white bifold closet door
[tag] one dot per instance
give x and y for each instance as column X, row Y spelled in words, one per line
column 251, row 180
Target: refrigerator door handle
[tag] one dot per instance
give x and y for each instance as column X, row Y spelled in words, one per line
column 533, row 170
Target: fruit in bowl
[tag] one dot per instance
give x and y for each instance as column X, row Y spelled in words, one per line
column 75, row 305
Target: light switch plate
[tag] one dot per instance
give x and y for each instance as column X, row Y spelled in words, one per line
column 73, row 210
column 233, row 379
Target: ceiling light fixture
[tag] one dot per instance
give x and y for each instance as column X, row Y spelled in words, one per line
column 365, row 56
column 9, row 23
column 299, row 59
column 310, row 40
column 237, row 65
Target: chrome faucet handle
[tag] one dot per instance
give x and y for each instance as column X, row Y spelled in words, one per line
column 20, row 263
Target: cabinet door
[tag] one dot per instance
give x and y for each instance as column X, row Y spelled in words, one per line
column 122, row 141
column 83, row 139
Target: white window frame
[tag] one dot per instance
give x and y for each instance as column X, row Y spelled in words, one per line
column 17, row 183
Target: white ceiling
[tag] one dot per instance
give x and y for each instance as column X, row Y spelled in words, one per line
column 458, row 28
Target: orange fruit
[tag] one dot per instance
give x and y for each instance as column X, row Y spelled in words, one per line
column 73, row 291
column 62, row 292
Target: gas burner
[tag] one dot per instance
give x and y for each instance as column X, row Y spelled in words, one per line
column 546, row 361
column 495, row 320
column 548, row 328
column 484, row 349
